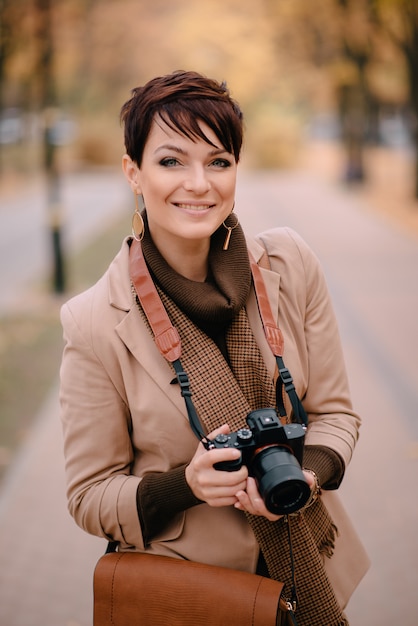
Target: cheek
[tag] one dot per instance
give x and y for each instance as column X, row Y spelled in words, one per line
column 228, row 186
column 155, row 189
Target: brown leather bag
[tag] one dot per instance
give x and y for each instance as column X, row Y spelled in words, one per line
column 136, row 589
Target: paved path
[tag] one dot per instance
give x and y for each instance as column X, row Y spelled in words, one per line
column 88, row 205
column 47, row 562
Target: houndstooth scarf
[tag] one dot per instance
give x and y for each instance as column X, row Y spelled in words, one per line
column 226, row 391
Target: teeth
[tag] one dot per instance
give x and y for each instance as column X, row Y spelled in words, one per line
column 194, row 207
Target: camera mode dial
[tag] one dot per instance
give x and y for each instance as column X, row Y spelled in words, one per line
column 244, row 435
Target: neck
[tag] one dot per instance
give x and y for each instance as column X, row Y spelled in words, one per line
column 189, row 259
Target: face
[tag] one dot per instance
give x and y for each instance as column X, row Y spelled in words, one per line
column 188, row 186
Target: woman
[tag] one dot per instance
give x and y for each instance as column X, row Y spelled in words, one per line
column 136, row 473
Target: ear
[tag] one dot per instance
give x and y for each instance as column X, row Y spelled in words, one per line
column 131, row 171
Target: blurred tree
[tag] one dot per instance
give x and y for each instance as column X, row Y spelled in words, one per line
column 10, row 11
column 371, row 30
column 5, row 46
column 355, row 98
column 6, row 43
column 328, row 42
column 398, row 21
column 284, row 60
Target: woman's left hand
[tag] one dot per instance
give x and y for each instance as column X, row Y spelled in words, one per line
column 251, row 501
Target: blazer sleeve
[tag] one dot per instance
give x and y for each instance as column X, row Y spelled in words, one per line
column 96, row 423
column 323, row 386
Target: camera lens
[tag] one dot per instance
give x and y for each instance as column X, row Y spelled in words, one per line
column 281, row 482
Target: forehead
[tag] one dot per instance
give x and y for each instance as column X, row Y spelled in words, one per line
column 162, row 134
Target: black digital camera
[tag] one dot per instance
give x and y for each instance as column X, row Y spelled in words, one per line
column 273, row 455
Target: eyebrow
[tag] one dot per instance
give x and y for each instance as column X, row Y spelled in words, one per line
column 169, row 146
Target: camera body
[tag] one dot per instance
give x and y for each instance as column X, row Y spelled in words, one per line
column 273, row 454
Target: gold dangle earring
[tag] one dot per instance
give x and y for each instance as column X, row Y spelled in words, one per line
column 138, row 227
column 229, row 229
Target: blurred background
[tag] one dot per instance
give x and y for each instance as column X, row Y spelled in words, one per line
column 328, row 88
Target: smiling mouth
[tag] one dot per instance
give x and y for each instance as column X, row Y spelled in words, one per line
column 194, row 207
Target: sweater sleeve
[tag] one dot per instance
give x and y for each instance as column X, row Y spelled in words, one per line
column 160, row 496
column 327, row 465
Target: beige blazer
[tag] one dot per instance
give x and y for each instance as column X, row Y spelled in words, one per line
column 122, row 418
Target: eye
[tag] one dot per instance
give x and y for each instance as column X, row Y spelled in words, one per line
column 169, row 162
column 222, row 163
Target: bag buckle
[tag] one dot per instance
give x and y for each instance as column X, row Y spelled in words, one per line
column 291, row 606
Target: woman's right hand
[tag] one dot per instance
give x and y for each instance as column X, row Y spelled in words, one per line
column 217, row 488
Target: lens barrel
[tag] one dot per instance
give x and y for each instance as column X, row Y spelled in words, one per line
column 280, row 480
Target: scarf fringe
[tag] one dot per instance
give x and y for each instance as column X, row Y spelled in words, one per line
column 327, row 546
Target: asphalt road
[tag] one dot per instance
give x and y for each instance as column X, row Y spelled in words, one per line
column 371, row 268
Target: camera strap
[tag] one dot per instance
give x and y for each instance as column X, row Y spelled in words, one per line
column 168, row 340
column 275, row 340
column 166, row 336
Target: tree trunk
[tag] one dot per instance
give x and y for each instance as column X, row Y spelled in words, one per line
column 353, row 121
column 48, row 105
column 411, row 53
column 416, row 163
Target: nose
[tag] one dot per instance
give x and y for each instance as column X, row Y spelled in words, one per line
column 197, row 180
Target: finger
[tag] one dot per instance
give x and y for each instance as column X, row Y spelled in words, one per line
column 207, row 463
column 223, row 501
column 309, row 479
column 224, row 429
column 206, row 441
column 203, row 447
column 251, row 501
column 218, row 494
column 208, row 483
column 252, row 490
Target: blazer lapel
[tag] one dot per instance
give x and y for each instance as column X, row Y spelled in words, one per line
column 135, row 334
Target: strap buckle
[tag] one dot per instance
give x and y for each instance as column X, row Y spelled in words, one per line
column 184, row 383
column 286, row 378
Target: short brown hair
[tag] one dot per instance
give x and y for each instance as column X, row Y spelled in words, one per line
column 182, row 99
